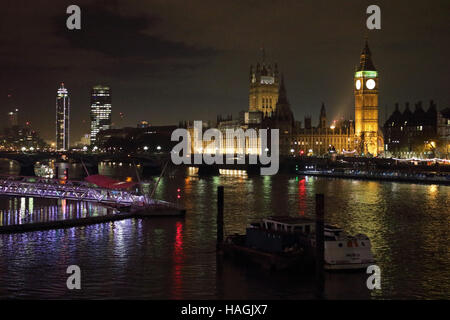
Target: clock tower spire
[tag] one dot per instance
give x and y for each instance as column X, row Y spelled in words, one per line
column 366, row 103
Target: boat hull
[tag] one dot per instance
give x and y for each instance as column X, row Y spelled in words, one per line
column 267, row 260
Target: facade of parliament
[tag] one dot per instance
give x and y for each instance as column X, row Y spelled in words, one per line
column 269, row 108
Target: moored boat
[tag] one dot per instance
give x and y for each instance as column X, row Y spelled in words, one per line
column 292, row 240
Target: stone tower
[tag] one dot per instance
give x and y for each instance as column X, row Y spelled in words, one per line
column 264, row 84
column 323, row 117
column 366, row 103
column 282, row 119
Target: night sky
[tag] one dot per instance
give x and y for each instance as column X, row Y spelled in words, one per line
column 173, row 60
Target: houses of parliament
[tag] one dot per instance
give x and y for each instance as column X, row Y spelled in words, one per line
column 269, row 107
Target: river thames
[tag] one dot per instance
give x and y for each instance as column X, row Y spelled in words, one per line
column 172, row 258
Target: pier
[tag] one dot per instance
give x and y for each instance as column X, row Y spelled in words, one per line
column 71, row 190
column 125, row 204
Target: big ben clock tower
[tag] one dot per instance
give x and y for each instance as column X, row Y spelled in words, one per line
column 366, row 104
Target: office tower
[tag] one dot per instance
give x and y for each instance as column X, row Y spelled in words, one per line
column 100, row 110
column 13, row 118
column 62, row 119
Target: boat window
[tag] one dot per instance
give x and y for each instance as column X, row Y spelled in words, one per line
column 307, row 229
column 340, row 245
column 362, row 243
column 298, row 228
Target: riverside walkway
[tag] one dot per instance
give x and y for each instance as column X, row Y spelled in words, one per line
column 426, row 178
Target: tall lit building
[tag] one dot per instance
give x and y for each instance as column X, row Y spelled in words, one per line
column 62, row 118
column 13, row 118
column 366, row 104
column 100, row 110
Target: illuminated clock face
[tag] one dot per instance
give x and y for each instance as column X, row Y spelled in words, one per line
column 370, row 84
column 358, row 84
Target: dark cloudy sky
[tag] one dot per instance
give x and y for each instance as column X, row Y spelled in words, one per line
column 171, row 60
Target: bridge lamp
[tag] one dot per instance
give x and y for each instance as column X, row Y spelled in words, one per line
column 24, row 149
column 31, row 148
column 85, row 148
column 158, row 148
column 145, row 148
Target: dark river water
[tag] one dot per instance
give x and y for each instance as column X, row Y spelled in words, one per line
column 172, row 258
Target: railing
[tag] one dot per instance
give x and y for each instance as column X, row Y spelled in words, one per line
column 72, row 190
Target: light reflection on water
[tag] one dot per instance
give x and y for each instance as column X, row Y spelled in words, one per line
column 175, row 258
column 22, row 210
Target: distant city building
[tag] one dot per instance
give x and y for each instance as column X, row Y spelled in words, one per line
column 151, row 139
column 86, row 139
column 13, row 118
column 16, row 138
column 443, row 123
column 100, row 110
column 62, row 119
column 418, row 133
column 143, row 124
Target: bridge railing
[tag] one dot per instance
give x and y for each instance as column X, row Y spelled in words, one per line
column 76, row 190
